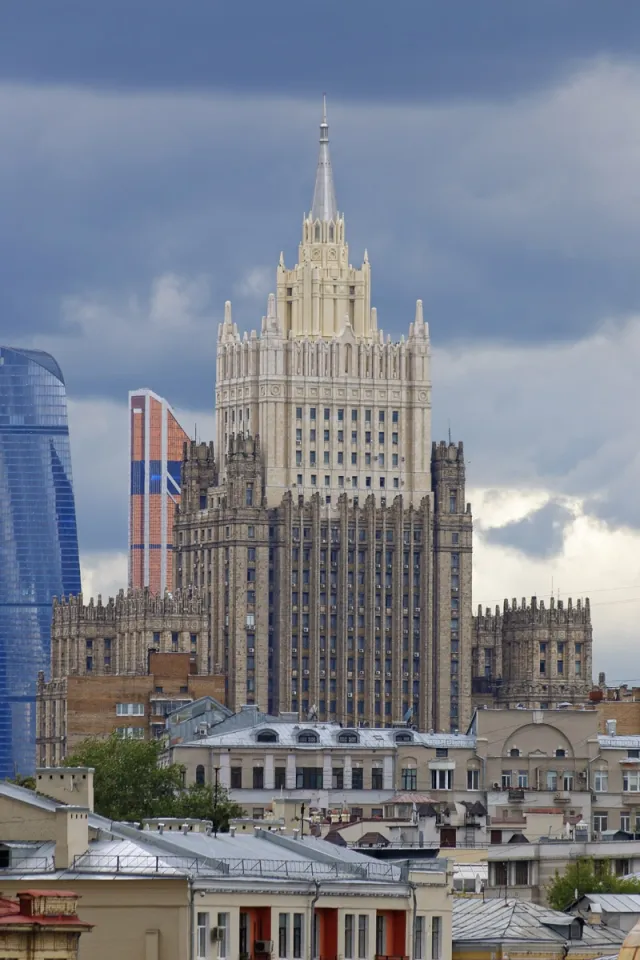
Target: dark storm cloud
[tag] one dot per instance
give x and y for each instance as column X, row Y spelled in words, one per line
column 538, row 535
column 416, row 50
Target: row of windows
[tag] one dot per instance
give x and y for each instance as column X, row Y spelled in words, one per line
column 326, row 458
column 326, row 436
column 368, row 415
column 341, row 481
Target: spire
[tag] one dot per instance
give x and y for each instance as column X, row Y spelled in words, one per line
column 324, row 195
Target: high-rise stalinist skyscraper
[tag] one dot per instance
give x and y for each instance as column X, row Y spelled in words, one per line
column 333, row 537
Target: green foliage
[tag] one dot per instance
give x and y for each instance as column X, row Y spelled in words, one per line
column 129, row 784
column 29, row 783
column 586, row 876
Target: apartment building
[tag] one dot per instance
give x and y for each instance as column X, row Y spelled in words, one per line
column 41, row 925
column 184, row 894
column 537, row 772
column 72, row 708
column 121, row 666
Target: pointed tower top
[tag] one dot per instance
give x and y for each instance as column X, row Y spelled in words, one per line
column 324, row 195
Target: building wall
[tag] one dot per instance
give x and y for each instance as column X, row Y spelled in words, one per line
column 117, row 637
column 140, row 919
column 533, row 655
column 73, row 708
column 625, row 713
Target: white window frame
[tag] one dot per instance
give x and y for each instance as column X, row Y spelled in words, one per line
column 130, row 709
column 473, row 779
column 601, row 781
column 203, row 935
column 223, row 945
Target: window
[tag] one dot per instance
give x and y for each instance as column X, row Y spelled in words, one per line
column 249, row 495
column 625, row 820
column 514, row 752
column 200, row 775
column 130, row 733
column 410, row 778
column 236, row 778
column 348, row 936
column 223, row 943
column 283, row 935
column 258, row 778
column 601, row 781
column 500, row 874
column 309, row 778
column 297, row 936
column 363, row 936
column 560, row 752
column 337, row 778
column 506, row 779
column 130, row 709
column 436, row 938
column 348, row 736
column 267, row 736
column 376, row 778
column 522, row 873
column 380, row 935
column 357, row 779
column 473, row 779
column 202, row 936
column 631, row 781
column 418, row 938
column 442, row 753
column 552, row 780
column 600, row 821
column 523, row 779
column 308, row 736
column 442, row 779
column 280, row 778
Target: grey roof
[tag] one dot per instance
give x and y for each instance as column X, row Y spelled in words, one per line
column 498, row 920
column 33, row 799
column 615, row 902
column 324, row 195
column 328, row 735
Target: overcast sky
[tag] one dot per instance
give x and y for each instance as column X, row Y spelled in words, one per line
column 156, row 156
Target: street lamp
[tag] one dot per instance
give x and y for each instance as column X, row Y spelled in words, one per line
column 215, row 801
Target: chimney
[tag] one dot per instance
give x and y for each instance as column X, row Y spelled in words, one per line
column 71, row 835
column 73, row 785
column 612, row 728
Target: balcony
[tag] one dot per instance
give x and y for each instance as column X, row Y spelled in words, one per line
column 516, row 794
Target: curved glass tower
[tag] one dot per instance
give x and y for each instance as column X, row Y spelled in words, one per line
column 38, row 538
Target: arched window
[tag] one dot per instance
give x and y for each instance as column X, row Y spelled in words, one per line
column 347, row 358
column 316, row 232
column 200, row 775
column 308, row 736
column 514, row 752
column 331, row 232
column 267, row 736
column 404, row 737
column 348, row 736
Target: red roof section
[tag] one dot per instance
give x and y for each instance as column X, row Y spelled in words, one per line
column 18, row 912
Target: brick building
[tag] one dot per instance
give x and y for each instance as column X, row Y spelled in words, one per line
column 532, row 655
column 122, row 666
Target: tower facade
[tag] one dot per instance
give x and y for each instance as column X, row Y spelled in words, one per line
column 38, row 538
column 156, row 442
column 531, row 655
column 333, row 541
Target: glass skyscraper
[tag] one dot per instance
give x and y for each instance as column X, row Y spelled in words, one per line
column 38, row 538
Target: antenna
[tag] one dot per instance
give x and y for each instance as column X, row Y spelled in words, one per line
column 449, row 425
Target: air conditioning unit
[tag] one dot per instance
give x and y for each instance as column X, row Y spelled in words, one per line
column 350, row 696
column 377, row 673
column 305, row 629
column 322, row 673
column 251, row 649
column 263, row 946
column 294, row 650
column 217, row 934
column 306, row 673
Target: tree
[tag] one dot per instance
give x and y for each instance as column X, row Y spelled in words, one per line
column 129, row 784
column 584, row 877
column 29, row 783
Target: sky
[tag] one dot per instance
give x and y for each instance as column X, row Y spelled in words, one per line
column 156, row 156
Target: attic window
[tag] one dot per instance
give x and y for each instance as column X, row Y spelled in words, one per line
column 560, row 752
column 514, row 752
column 404, row 738
column 308, row 736
column 266, row 736
column 348, row 736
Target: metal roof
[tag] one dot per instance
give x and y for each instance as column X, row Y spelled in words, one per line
column 615, row 902
column 498, row 920
column 328, row 735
